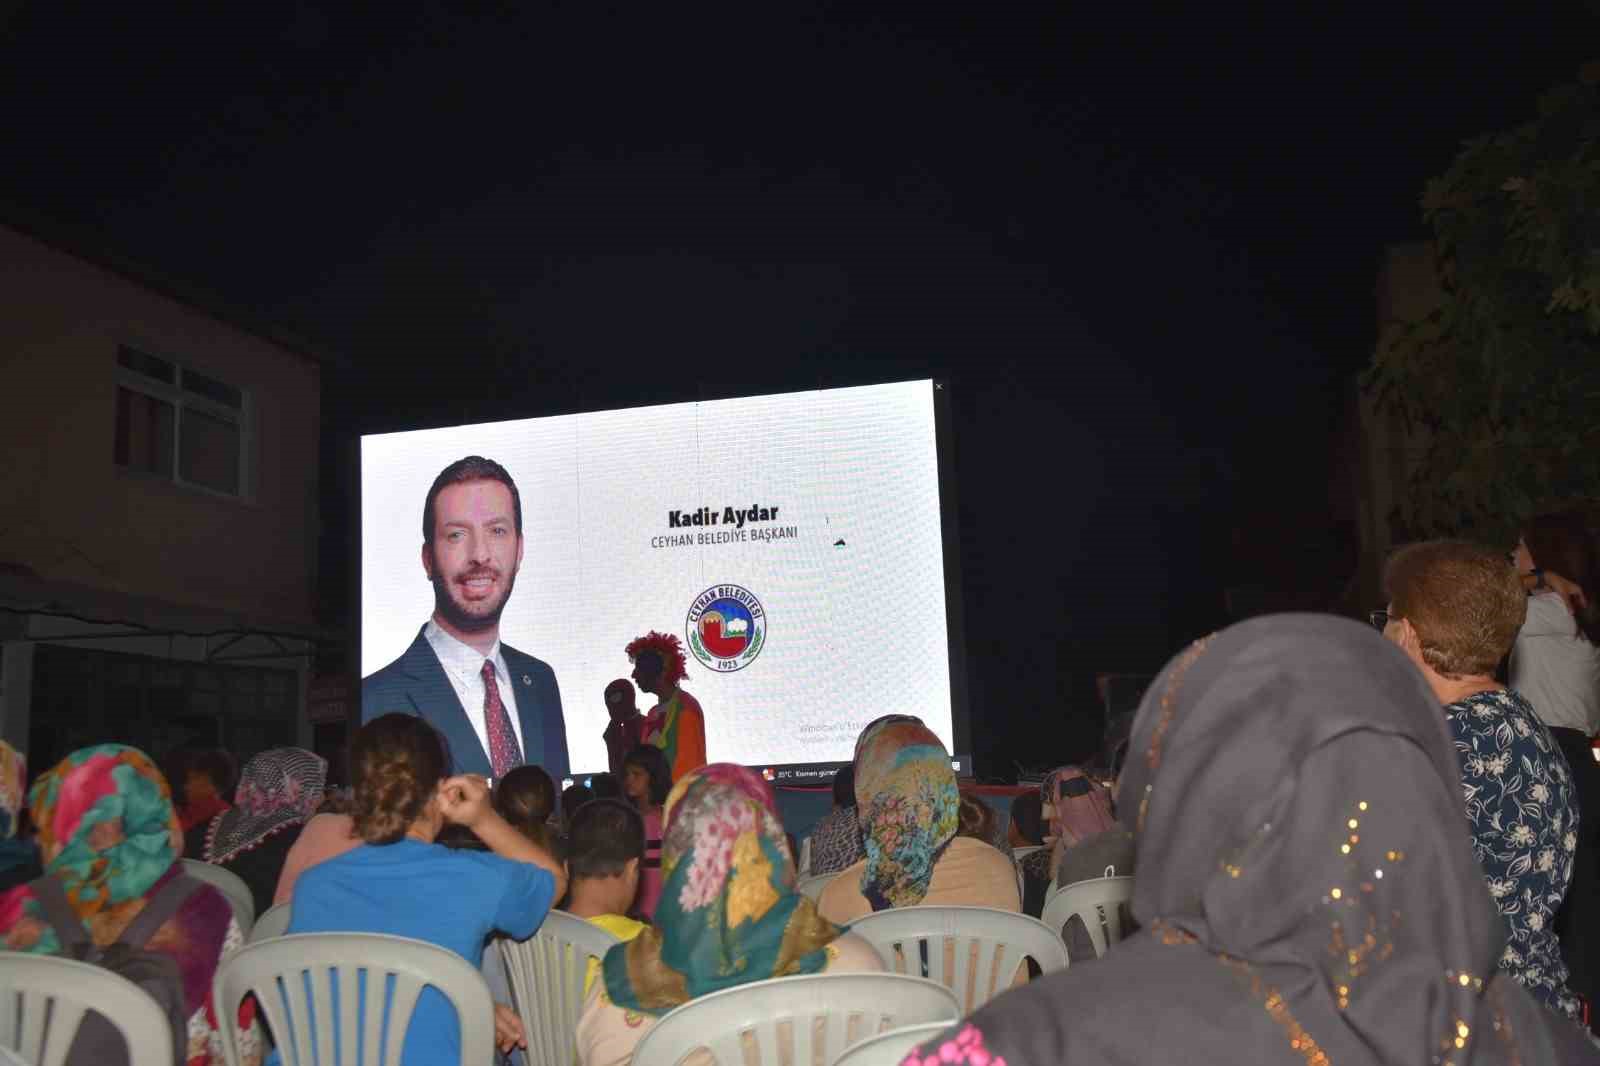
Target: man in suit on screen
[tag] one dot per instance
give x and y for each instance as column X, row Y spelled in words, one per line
column 498, row 707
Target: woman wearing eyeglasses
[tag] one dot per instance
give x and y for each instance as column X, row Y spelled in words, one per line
column 1455, row 609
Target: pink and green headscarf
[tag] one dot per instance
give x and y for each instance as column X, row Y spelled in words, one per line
column 729, row 912
column 907, row 804
column 107, row 831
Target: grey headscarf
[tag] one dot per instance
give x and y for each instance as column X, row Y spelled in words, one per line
column 1306, row 886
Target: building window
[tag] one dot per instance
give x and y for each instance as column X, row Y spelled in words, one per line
column 180, row 424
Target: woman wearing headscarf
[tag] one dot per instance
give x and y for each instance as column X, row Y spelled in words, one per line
column 110, row 840
column 19, row 859
column 729, row 914
column 1305, row 891
column 908, row 806
column 278, row 791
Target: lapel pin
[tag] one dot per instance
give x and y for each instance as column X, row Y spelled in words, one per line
column 526, row 680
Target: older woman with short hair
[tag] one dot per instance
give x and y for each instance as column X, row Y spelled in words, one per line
column 1455, row 609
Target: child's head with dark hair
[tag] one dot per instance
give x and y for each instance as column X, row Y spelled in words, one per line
column 646, row 777
column 844, row 786
column 605, row 847
column 208, row 774
column 605, row 786
column 1027, row 820
column 573, row 799
column 526, row 797
column 397, row 761
column 975, row 819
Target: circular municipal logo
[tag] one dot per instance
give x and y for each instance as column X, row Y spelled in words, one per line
column 726, row 627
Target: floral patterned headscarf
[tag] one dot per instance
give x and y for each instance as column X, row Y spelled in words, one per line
column 279, row 789
column 908, row 806
column 729, row 913
column 107, row 831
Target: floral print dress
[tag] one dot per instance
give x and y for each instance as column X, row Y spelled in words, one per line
column 1523, row 810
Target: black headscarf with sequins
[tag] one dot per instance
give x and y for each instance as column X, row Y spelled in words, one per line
column 1306, row 886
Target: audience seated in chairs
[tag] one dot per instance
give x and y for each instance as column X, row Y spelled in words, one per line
column 908, row 805
column 399, row 882
column 110, row 841
column 605, row 857
column 278, row 792
column 1455, row 609
column 836, row 839
column 646, row 780
column 729, row 915
column 1260, row 754
column 19, row 858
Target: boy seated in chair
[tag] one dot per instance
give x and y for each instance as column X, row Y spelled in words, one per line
column 605, row 846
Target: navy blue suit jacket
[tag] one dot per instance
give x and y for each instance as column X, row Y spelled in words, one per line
column 416, row 684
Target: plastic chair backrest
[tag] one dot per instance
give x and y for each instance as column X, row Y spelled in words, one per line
column 230, row 885
column 1097, row 903
column 292, row 978
column 274, row 921
column 811, row 887
column 974, row 951
column 888, row 1049
column 44, row 997
column 803, row 867
column 547, row 972
column 794, row 1019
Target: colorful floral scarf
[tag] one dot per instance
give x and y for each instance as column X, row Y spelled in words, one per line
column 279, row 789
column 109, row 834
column 908, row 804
column 729, row 913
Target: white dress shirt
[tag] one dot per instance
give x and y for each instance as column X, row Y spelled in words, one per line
column 463, row 665
column 1555, row 668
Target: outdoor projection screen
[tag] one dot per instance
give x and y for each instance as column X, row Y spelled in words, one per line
column 793, row 542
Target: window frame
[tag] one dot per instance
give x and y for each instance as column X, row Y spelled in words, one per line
column 243, row 417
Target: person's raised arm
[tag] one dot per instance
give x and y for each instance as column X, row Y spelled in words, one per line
column 464, row 800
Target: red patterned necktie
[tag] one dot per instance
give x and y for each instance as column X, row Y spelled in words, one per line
column 504, row 755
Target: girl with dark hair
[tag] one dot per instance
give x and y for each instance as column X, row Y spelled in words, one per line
column 400, row 882
column 646, row 780
column 526, row 797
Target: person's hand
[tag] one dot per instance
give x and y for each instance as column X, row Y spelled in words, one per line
column 1571, row 592
column 508, row 1034
column 464, row 800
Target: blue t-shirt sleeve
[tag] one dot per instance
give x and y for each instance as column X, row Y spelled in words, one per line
column 526, row 895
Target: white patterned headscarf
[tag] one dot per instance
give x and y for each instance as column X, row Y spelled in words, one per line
column 278, row 789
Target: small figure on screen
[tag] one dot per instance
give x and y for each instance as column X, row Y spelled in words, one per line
column 626, row 730
column 676, row 724
column 496, row 706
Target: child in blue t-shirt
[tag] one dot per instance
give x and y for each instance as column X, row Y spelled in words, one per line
column 401, row 883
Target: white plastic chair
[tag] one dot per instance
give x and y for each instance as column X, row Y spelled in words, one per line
column 230, row 885
column 547, row 972
column 803, row 865
column 274, row 921
column 292, row 978
column 43, row 999
column 811, row 887
column 794, row 1019
column 1097, row 903
column 888, row 1049
column 974, row 951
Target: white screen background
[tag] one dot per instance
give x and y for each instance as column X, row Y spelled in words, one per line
column 853, row 632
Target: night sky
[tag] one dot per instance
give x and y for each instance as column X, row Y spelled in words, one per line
column 1142, row 247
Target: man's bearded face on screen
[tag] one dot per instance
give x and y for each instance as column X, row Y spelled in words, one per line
column 474, row 555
